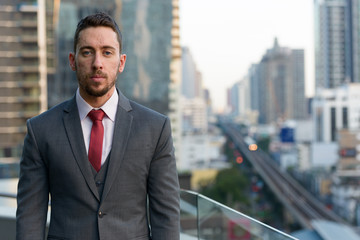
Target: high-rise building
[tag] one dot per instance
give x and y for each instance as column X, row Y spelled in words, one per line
column 26, row 64
column 253, row 74
column 239, row 98
column 151, row 41
column 194, row 118
column 34, row 32
column 175, row 82
column 191, row 77
column 239, row 102
column 337, row 42
column 280, row 85
column 195, row 99
column 150, row 32
column 335, row 109
column 67, row 13
column 147, row 28
column 298, row 106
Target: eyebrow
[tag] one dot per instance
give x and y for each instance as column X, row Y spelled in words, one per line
column 90, row 47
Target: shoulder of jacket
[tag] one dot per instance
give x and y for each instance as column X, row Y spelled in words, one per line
column 143, row 110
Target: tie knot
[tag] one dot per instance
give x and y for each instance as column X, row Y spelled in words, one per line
column 96, row 115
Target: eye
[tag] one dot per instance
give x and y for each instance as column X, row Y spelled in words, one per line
column 107, row 53
column 86, row 53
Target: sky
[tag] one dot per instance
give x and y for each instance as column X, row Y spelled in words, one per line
column 226, row 36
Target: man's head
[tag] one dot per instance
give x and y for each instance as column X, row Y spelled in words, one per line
column 97, row 58
column 97, row 20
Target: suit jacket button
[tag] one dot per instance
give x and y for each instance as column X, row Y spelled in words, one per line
column 101, row 214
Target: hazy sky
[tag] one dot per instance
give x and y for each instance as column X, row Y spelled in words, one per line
column 226, row 36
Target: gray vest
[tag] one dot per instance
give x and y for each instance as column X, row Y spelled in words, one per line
column 100, row 177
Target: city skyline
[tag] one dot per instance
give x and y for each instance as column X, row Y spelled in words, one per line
column 224, row 55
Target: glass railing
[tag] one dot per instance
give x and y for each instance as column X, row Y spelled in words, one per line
column 201, row 219
column 204, row 219
column 7, row 208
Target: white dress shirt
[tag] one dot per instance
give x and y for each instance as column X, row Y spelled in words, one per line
column 110, row 108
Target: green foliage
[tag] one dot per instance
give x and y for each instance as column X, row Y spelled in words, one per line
column 263, row 143
column 230, row 187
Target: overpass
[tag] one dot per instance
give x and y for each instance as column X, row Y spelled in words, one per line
column 297, row 200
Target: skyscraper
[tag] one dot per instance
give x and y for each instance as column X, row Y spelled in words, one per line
column 67, row 13
column 37, row 36
column 147, row 28
column 280, row 84
column 337, row 42
column 151, row 41
column 26, row 64
column 253, row 74
column 148, row 41
column 239, row 99
column 175, row 81
column 192, row 86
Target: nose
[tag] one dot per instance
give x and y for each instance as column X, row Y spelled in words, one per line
column 97, row 62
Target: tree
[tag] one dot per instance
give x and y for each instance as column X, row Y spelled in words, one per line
column 263, row 144
column 229, row 188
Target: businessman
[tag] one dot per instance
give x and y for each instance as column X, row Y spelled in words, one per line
column 105, row 162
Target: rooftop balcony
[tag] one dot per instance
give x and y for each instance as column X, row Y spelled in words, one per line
column 204, row 218
column 201, row 218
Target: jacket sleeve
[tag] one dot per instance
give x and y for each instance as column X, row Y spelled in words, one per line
column 163, row 189
column 33, row 191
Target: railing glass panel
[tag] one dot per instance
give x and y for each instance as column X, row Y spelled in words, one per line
column 201, row 219
column 205, row 219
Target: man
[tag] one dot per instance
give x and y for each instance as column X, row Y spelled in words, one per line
column 123, row 186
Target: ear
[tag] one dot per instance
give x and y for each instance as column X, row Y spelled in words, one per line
column 122, row 62
column 72, row 61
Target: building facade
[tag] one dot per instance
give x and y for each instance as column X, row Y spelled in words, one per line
column 337, row 42
column 279, row 83
column 26, row 65
column 239, row 102
column 175, row 82
column 195, row 118
column 67, row 13
column 150, row 34
column 254, row 85
column 192, row 86
column 194, row 98
column 335, row 109
column 151, row 41
column 37, row 36
column 147, row 28
column 345, row 185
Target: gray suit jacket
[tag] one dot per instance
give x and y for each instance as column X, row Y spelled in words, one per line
column 141, row 167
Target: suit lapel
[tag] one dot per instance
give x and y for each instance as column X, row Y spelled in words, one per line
column 74, row 132
column 122, row 128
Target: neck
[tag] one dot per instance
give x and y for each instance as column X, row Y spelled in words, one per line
column 94, row 101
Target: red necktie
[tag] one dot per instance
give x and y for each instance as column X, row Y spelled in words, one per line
column 96, row 138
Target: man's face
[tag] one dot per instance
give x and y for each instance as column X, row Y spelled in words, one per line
column 97, row 62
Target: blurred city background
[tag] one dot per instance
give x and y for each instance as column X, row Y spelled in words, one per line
column 279, row 142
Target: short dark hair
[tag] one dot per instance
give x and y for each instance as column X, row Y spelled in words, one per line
column 97, row 20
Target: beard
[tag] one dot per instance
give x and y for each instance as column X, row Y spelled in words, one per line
column 90, row 87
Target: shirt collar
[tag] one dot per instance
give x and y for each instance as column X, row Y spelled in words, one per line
column 109, row 107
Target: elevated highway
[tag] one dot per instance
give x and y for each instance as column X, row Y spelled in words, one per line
column 303, row 206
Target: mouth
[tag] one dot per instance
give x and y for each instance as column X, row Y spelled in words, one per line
column 98, row 78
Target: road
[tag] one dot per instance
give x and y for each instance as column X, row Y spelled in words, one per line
column 303, row 206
